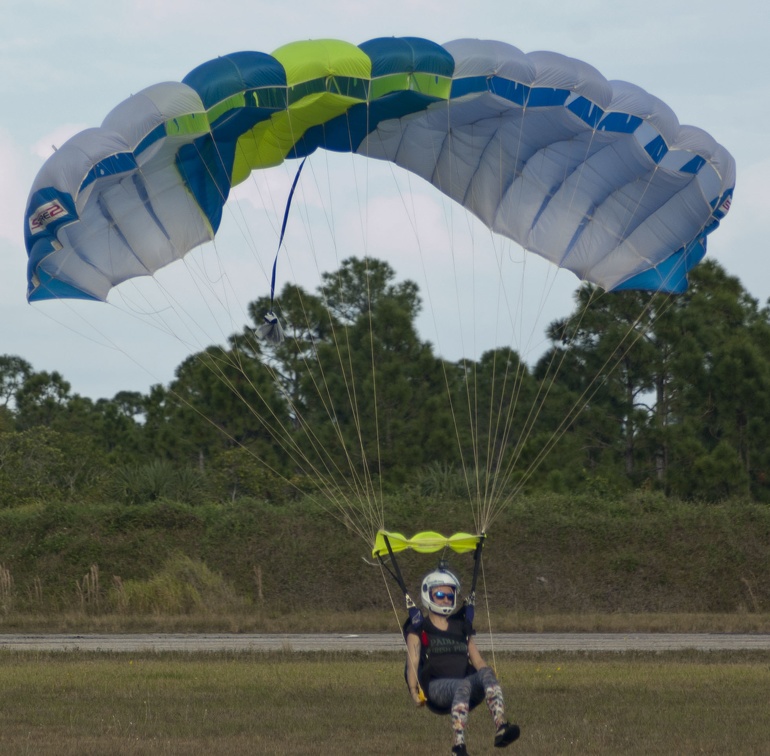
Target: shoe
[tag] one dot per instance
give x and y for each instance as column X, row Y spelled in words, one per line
column 460, row 750
column 506, row 735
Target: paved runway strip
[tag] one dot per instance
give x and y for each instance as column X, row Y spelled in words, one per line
column 532, row 642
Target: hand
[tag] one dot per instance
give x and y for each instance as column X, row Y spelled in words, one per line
column 418, row 698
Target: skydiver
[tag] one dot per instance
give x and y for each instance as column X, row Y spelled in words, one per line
column 444, row 664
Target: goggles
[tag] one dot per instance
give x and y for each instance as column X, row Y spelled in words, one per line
column 440, row 595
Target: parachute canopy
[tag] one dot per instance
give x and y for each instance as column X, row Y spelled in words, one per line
column 596, row 176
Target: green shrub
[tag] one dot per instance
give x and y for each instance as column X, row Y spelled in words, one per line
column 140, row 484
column 32, row 466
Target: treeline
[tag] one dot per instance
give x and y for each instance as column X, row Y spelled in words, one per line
column 635, row 391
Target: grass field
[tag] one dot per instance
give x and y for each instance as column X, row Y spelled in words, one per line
column 194, row 704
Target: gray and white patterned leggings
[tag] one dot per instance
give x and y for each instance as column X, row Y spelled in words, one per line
column 461, row 695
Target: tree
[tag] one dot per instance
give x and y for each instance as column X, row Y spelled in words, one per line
column 376, row 396
column 119, row 422
column 720, row 382
column 220, row 399
column 360, row 285
column 14, row 371
column 605, row 355
column 307, row 323
column 42, row 399
column 664, row 381
column 41, row 464
column 494, row 404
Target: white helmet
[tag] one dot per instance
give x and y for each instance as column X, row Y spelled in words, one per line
column 433, row 580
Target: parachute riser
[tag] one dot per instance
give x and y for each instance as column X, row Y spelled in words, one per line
column 470, row 599
column 415, row 615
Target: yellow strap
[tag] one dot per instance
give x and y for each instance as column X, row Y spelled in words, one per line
column 424, row 543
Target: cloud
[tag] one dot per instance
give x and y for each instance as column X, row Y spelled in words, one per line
column 13, row 190
column 45, row 146
column 740, row 244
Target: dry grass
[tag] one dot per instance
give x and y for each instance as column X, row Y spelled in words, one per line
column 264, row 621
column 739, row 622
column 6, row 590
column 213, row 704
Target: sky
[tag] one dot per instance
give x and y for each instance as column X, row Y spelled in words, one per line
column 65, row 64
